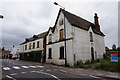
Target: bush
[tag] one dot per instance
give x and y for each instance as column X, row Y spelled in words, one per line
column 79, row 64
column 106, row 64
column 87, row 62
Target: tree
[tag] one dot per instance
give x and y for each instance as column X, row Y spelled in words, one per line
column 118, row 48
column 114, row 47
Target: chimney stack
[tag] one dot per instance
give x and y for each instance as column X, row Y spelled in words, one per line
column 97, row 26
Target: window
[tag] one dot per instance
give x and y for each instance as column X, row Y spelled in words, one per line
column 34, row 45
column 25, row 47
column 91, row 37
column 61, row 53
column 29, row 45
column 50, row 54
column 62, row 34
column 50, row 38
column 38, row 44
column 60, row 22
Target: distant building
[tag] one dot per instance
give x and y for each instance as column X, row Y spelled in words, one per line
column 32, row 48
column 84, row 40
column 5, row 53
column 15, row 52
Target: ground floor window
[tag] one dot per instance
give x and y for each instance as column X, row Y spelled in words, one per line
column 61, row 53
column 50, row 53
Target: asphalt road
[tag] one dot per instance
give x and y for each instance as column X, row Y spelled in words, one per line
column 23, row 70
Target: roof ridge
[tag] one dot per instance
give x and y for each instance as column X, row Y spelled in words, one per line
column 76, row 15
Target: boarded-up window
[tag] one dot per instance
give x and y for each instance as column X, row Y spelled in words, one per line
column 60, row 22
column 50, row 38
column 29, row 45
column 91, row 37
column 61, row 53
column 25, row 47
column 50, row 54
column 34, row 45
column 38, row 44
column 62, row 34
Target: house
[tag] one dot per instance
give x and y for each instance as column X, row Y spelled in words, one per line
column 5, row 53
column 77, row 39
column 15, row 52
column 31, row 49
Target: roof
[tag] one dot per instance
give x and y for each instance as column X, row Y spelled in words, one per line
column 78, row 22
column 35, row 37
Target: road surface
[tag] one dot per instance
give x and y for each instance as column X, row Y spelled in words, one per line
column 26, row 70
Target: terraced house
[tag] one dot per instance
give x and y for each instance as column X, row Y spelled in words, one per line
column 32, row 48
column 73, row 38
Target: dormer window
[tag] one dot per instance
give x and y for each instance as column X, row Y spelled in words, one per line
column 91, row 37
column 50, row 38
column 61, row 34
column 60, row 22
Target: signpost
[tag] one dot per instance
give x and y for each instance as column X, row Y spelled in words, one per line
column 114, row 57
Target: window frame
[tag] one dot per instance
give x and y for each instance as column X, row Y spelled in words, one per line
column 91, row 36
column 61, row 34
column 26, row 47
column 50, row 53
column 33, row 45
column 50, row 37
column 29, row 46
column 38, row 43
column 62, row 56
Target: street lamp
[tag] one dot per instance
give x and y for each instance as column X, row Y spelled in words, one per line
column 1, row 16
column 64, row 34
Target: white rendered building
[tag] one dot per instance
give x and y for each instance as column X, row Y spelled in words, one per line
column 84, row 40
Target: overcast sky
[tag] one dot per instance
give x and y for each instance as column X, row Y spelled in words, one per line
column 23, row 19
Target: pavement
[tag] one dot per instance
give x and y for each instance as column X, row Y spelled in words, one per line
column 17, row 70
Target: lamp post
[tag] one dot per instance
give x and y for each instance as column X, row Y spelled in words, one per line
column 64, row 34
column 1, row 16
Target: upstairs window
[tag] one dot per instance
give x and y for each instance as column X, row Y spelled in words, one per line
column 61, row 34
column 38, row 44
column 50, row 38
column 50, row 54
column 29, row 45
column 91, row 37
column 60, row 22
column 25, row 47
column 34, row 45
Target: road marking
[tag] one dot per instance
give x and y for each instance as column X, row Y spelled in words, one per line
column 48, row 74
column 32, row 71
column 16, row 67
column 63, row 71
column 24, row 66
column 48, row 70
column 33, row 66
column 13, row 74
column 23, row 72
column 55, row 77
column 6, row 68
column 10, row 77
column 40, row 66
column 93, row 76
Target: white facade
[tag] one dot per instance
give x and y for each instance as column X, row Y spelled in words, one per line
column 22, row 46
column 78, row 44
column 15, row 52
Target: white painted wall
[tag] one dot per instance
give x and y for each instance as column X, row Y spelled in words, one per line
column 22, row 47
column 80, row 45
column 56, row 47
column 15, row 52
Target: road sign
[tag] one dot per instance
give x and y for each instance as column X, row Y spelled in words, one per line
column 114, row 57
